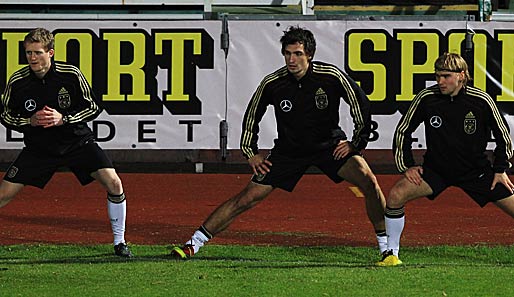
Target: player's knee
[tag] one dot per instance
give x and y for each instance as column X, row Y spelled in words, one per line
column 114, row 185
column 116, row 198
column 396, row 197
column 369, row 183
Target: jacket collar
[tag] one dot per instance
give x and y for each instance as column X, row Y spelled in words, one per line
column 50, row 71
column 306, row 77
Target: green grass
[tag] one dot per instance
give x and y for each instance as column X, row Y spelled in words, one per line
column 67, row 270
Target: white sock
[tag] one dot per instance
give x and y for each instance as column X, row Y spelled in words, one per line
column 198, row 240
column 117, row 215
column 394, row 227
column 382, row 242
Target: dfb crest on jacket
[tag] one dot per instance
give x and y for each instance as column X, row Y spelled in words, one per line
column 63, row 98
column 321, row 99
column 470, row 123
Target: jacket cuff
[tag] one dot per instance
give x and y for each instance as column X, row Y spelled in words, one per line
column 498, row 170
column 502, row 168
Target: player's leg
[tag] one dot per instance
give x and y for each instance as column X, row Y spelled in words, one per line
column 27, row 169
column 116, row 207
column 91, row 163
column 507, row 205
column 285, row 174
column 8, row 191
column 222, row 217
column 357, row 171
column 402, row 192
column 479, row 189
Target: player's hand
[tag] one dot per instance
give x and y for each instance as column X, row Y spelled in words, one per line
column 503, row 179
column 46, row 117
column 343, row 148
column 259, row 164
column 413, row 175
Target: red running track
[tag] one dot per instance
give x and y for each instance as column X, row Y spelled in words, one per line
column 167, row 208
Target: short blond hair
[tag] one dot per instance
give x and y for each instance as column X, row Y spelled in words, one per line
column 40, row 35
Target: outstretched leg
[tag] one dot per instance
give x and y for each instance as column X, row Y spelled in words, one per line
column 223, row 216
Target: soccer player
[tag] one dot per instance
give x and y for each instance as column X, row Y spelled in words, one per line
column 459, row 120
column 306, row 95
column 50, row 103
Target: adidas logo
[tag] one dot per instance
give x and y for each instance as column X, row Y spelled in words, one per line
column 320, row 92
column 63, row 91
column 470, row 115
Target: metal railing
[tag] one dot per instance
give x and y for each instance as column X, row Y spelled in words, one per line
column 307, row 5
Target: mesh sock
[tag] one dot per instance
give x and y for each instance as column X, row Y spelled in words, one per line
column 394, row 221
column 117, row 210
column 199, row 238
column 382, row 240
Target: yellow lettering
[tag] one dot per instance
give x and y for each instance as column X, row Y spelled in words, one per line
column 86, row 49
column 480, row 55
column 355, row 61
column 134, row 69
column 507, row 81
column 12, row 51
column 408, row 68
column 177, row 60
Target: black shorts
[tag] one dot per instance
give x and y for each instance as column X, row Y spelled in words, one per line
column 287, row 171
column 478, row 188
column 35, row 169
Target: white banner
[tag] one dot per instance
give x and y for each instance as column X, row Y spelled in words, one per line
column 163, row 82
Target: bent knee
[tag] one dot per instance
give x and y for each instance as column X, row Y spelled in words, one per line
column 113, row 184
column 368, row 181
column 396, row 198
column 116, row 182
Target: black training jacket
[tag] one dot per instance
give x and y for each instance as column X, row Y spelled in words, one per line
column 306, row 111
column 63, row 88
column 457, row 130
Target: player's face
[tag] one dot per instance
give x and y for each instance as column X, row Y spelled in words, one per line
column 449, row 82
column 38, row 58
column 297, row 61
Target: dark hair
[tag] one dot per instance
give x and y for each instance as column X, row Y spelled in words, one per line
column 303, row 36
column 40, row 35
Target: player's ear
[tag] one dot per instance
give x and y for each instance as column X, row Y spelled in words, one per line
column 459, row 77
column 51, row 52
